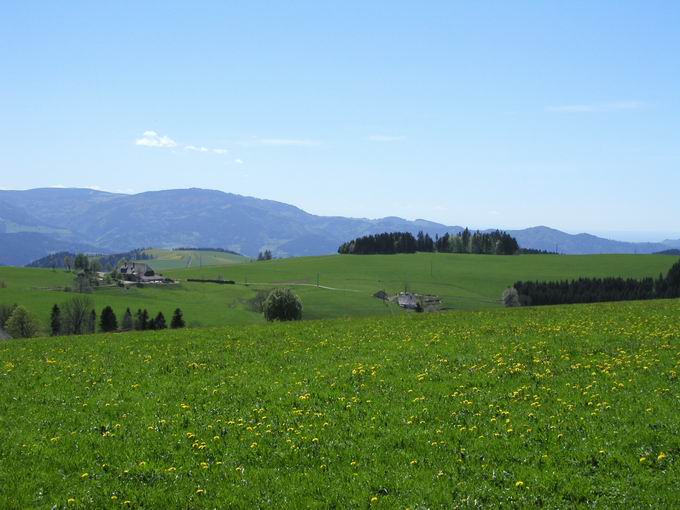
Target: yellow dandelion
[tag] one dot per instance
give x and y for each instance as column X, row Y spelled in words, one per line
column 200, row 492
column 643, row 460
column 414, row 462
column 661, row 456
column 254, row 445
column 84, row 476
column 374, row 500
column 519, row 484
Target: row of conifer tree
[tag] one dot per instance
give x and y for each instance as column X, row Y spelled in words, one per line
column 487, row 243
column 593, row 290
column 77, row 322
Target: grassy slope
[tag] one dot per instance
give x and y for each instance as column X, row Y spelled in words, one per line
column 174, row 259
column 463, row 281
column 555, row 407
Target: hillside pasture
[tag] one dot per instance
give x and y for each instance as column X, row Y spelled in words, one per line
column 555, row 407
column 347, row 283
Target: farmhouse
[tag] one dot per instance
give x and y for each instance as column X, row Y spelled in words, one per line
column 407, row 300
column 139, row 272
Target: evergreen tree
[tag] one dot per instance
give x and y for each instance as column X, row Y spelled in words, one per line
column 108, row 321
column 159, row 321
column 127, row 324
column 177, row 319
column 92, row 322
column 55, row 321
column 142, row 320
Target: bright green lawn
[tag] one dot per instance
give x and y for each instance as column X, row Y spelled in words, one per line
column 553, row 407
column 462, row 281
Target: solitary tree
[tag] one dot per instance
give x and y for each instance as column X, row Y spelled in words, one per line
column 177, row 319
column 159, row 321
column 21, row 324
column 511, row 297
column 81, row 262
column 108, row 321
column 92, row 322
column 55, row 321
column 128, row 324
column 5, row 314
column 282, row 305
column 75, row 315
column 142, row 320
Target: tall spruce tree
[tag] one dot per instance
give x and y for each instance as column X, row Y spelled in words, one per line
column 177, row 319
column 127, row 324
column 55, row 321
column 108, row 321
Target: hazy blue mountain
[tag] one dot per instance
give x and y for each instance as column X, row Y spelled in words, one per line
column 672, row 243
column 197, row 217
column 545, row 238
column 18, row 249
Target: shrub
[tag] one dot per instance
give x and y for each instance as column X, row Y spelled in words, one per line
column 282, row 305
column 21, row 324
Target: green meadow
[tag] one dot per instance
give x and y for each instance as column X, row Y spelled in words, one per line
column 346, row 283
column 552, row 407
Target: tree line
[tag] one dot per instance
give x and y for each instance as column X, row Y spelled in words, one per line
column 79, row 317
column 488, row 243
column 70, row 261
column 593, row 290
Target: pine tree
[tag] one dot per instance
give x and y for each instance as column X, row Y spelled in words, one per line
column 108, row 321
column 128, row 324
column 159, row 321
column 92, row 322
column 177, row 320
column 141, row 319
column 55, row 321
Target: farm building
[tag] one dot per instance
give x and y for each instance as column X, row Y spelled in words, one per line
column 139, row 272
column 407, row 300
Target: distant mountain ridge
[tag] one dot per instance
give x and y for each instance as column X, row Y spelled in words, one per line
column 84, row 219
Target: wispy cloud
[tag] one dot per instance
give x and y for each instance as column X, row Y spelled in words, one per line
column 153, row 139
column 615, row 106
column 280, row 142
column 386, row 138
column 238, row 161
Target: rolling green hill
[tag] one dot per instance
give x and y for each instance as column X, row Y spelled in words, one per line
column 347, row 283
column 555, row 407
column 175, row 259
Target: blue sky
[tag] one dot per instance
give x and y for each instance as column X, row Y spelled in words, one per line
column 507, row 114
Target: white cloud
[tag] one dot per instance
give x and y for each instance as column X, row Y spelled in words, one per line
column 616, row 106
column 238, row 161
column 386, row 138
column 196, row 149
column 153, row 139
column 281, row 142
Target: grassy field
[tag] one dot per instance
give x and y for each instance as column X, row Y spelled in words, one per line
column 555, row 407
column 347, row 283
column 174, row 259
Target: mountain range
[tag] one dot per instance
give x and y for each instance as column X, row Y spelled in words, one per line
column 36, row 222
